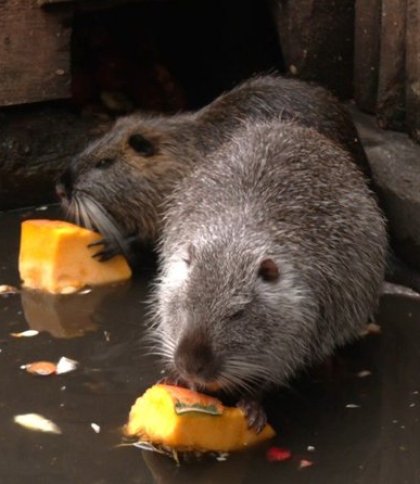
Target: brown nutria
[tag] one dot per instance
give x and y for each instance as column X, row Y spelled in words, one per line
column 119, row 182
column 272, row 254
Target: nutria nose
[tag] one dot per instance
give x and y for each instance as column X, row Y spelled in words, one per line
column 195, row 359
column 66, row 182
column 60, row 190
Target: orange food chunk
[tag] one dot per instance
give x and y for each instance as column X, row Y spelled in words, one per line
column 42, row 368
column 188, row 421
column 54, row 257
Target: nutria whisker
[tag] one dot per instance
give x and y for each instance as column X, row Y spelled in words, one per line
column 93, row 216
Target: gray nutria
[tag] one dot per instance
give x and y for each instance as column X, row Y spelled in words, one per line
column 119, row 183
column 272, row 254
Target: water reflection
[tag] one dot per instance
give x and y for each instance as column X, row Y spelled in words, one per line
column 376, row 442
column 70, row 315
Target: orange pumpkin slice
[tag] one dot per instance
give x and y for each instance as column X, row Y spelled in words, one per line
column 55, row 257
column 184, row 420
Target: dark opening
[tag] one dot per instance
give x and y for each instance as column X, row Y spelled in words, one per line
column 171, row 55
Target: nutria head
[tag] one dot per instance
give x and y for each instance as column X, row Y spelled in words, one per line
column 118, row 183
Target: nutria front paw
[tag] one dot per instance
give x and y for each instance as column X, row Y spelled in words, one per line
column 108, row 249
column 111, row 247
column 254, row 413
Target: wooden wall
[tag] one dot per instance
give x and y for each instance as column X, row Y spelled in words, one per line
column 34, row 52
column 387, row 62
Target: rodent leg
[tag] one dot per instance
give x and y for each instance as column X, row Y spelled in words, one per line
column 254, row 412
column 111, row 247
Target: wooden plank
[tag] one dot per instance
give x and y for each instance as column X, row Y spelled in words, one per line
column 94, row 4
column 367, row 53
column 48, row 2
column 413, row 69
column 34, row 52
column 316, row 38
column 391, row 89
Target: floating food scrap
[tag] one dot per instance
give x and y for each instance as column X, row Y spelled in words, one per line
column 6, row 289
column 29, row 333
column 46, row 368
column 55, row 257
column 65, row 365
column 222, row 456
column 95, row 427
column 364, row 373
column 371, row 328
column 352, row 405
column 278, row 454
column 36, row 422
column 40, row 368
column 305, row 463
column 185, row 421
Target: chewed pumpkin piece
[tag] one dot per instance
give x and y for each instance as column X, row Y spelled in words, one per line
column 55, row 257
column 184, row 420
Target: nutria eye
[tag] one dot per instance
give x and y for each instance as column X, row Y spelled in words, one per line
column 238, row 315
column 104, row 163
column 268, row 271
column 141, row 145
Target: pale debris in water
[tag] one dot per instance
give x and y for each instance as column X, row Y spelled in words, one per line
column 391, row 288
column 305, row 463
column 95, row 427
column 310, row 448
column 29, row 333
column 6, row 289
column 352, row 405
column 40, row 368
column 222, row 456
column 36, row 422
column 42, row 208
column 371, row 328
column 364, row 373
column 65, row 365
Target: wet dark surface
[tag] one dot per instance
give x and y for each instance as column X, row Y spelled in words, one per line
column 376, row 440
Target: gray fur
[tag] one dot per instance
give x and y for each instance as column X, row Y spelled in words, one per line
column 281, row 191
column 133, row 190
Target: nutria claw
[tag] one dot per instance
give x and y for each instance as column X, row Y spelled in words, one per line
column 254, row 413
column 110, row 249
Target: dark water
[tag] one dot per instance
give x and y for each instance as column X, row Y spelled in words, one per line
column 376, row 442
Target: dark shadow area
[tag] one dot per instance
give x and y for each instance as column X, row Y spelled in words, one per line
column 167, row 56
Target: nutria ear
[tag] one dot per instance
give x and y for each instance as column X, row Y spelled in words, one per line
column 141, row 145
column 189, row 254
column 268, row 271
